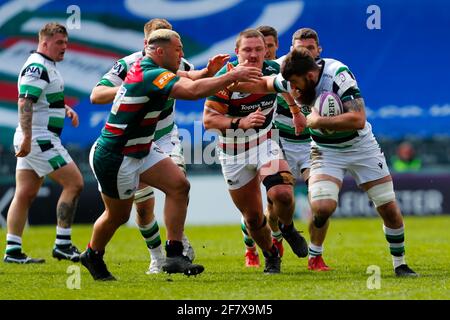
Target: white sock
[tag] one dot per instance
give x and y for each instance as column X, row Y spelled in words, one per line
column 314, row 250
column 63, row 236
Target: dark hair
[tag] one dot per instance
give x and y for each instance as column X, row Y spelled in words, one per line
column 268, row 31
column 298, row 62
column 249, row 33
column 305, row 33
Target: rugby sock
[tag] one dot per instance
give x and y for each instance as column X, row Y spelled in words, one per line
column 151, row 234
column 13, row 244
column 63, row 238
column 396, row 239
column 314, row 250
column 277, row 235
column 249, row 242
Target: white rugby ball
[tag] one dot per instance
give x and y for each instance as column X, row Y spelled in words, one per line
column 328, row 104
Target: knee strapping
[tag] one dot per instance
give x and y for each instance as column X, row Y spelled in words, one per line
column 322, row 190
column 282, row 177
column 382, row 193
column 144, row 194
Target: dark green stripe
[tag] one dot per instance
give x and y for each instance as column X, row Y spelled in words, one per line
column 55, row 97
column 163, row 132
column 342, row 69
column 105, row 82
column 56, row 122
column 154, row 244
column 25, row 90
column 249, row 242
column 150, row 232
column 399, row 236
column 57, row 162
column 13, row 251
column 397, row 252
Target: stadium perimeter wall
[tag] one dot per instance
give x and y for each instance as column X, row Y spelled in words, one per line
column 210, row 203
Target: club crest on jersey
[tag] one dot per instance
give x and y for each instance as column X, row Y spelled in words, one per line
column 163, row 79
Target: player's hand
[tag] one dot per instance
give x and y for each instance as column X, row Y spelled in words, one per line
column 71, row 114
column 312, row 119
column 253, row 120
column 24, row 148
column 216, row 63
column 243, row 72
column 299, row 121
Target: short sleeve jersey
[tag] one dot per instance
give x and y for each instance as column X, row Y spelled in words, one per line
column 337, row 78
column 40, row 81
column 237, row 104
column 116, row 75
column 139, row 102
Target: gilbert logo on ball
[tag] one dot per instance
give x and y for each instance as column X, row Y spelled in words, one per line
column 328, row 104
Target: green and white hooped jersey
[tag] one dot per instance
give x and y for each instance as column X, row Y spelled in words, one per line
column 337, row 78
column 116, row 75
column 40, row 81
column 282, row 118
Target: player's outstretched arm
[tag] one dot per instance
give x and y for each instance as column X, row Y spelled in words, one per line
column 353, row 118
column 192, row 90
column 103, row 94
column 264, row 85
column 214, row 65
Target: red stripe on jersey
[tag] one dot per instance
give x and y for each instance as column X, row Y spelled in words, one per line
column 113, row 130
column 128, row 107
column 148, row 121
column 135, row 74
column 137, row 148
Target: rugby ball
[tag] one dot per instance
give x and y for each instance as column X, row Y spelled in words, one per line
column 328, row 104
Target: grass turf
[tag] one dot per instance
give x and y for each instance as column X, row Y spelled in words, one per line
column 352, row 245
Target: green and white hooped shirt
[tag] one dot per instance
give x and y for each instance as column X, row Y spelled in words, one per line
column 337, row 78
column 40, row 81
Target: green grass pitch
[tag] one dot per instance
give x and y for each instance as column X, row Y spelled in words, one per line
column 351, row 247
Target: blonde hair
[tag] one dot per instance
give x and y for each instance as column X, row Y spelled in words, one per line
column 50, row 29
column 162, row 35
column 156, row 24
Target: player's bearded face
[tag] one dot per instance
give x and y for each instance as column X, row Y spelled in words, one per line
column 305, row 87
column 308, row 92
